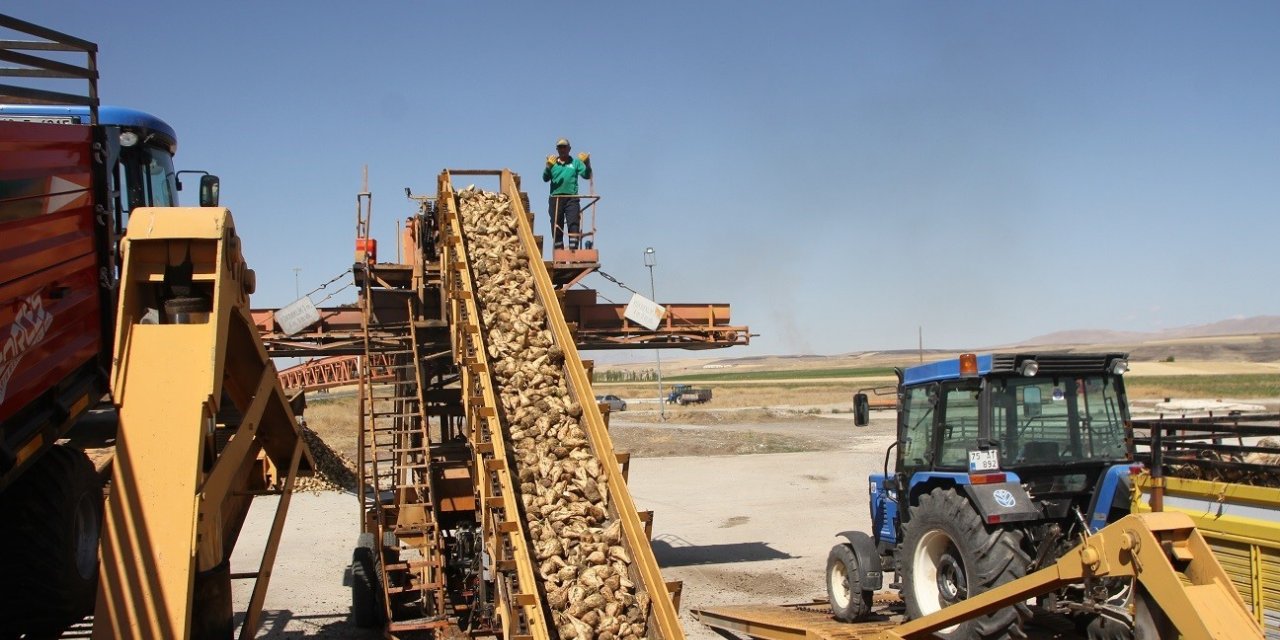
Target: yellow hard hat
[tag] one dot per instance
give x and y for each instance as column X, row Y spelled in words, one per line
column 562, row 142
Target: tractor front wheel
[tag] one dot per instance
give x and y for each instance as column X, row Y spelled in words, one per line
column 948, row 554
column 366, row 588
column 849, row 602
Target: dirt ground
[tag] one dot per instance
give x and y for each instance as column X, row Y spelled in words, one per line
column 734, row 528
column 739, row 528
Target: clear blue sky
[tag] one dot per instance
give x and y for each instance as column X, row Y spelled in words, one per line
column 840, row 172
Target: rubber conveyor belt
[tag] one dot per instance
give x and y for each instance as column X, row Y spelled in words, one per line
column 522, row 602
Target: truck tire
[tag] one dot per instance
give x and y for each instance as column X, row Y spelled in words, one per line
column 50, row 524
column 366, row 590
column 849, row 601
column 949, row 554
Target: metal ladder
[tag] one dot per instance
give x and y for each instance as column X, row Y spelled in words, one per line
column 395, row 487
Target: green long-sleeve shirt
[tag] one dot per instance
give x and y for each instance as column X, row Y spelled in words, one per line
column 563, row 176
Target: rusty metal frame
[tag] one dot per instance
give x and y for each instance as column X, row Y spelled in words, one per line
column 335, row 371
column 690, row 326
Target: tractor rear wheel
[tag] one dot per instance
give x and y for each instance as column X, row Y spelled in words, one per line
column 948, row 554
column 366, row 590
column 52, row 520
column 849, row 602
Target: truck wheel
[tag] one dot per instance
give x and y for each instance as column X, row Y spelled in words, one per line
column 49, row 528
column 366, row 590
column 849, row 602
column 948, row 554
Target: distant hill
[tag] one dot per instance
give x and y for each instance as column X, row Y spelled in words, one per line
column 1087, row 336
column 1255, row 340
column 1232, row 327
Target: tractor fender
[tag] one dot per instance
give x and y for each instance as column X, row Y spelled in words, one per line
column 1002, row 502
column 1112, row 490
column 870, row 571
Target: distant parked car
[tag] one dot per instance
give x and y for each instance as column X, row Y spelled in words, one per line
column 615, row 403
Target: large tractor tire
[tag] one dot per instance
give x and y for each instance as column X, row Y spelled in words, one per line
column 50, row 524
column 849, row 601
column 366, row 588
column 948, row 554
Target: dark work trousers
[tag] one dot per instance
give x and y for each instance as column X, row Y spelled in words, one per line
column 566, row 214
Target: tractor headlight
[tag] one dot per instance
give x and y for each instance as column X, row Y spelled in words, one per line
column 1119, row 366
column 1029, row 368
column 128, row 138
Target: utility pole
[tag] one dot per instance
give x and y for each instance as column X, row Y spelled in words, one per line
column 920, row 338
column 297, row 295
column 650, row 259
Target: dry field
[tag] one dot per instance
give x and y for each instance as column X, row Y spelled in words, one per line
column 642, row 433
column 753, row 394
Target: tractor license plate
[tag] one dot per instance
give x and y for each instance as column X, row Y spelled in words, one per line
column 988, row 460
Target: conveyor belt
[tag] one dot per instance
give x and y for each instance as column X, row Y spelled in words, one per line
column 522, row 601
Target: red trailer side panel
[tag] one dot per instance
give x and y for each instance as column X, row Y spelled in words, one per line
column 50, row 303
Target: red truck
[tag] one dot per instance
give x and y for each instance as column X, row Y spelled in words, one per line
column 70, row 172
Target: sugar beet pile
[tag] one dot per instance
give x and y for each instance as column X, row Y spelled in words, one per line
column 577, row 546
column 334, row 471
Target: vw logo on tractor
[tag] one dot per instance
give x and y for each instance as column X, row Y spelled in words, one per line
column 1004, row 498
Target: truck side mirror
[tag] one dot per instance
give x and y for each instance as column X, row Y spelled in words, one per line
column 861, row 410
column 209, row 190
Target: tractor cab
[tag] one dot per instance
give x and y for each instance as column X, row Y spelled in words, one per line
column 1051, row 424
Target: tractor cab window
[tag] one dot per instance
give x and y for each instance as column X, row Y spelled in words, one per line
column 917, row 426
column 1042, row 420
column 959, row 424
column 148, row 178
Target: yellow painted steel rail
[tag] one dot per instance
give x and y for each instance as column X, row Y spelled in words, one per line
column 507, row 535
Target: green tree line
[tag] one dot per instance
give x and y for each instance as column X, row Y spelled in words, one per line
column 614, row 375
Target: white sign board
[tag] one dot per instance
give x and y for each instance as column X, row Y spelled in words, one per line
column 644, row 312
column 297, row 315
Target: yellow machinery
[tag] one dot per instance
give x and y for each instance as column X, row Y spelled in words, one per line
column 1181, row 590
column 1221, row 474
column 204, row 428
column 1241, row 523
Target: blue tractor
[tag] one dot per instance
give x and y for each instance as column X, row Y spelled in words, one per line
column 1002, row 463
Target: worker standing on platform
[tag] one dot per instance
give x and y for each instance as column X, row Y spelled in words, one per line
column 562, row 172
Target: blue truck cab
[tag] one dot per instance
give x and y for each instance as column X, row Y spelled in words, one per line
column 1012, row 456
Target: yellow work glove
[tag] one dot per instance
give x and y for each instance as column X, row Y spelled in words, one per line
column 585, row 158
column 551, row 160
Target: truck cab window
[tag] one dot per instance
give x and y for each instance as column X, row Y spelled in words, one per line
column 148, row 178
